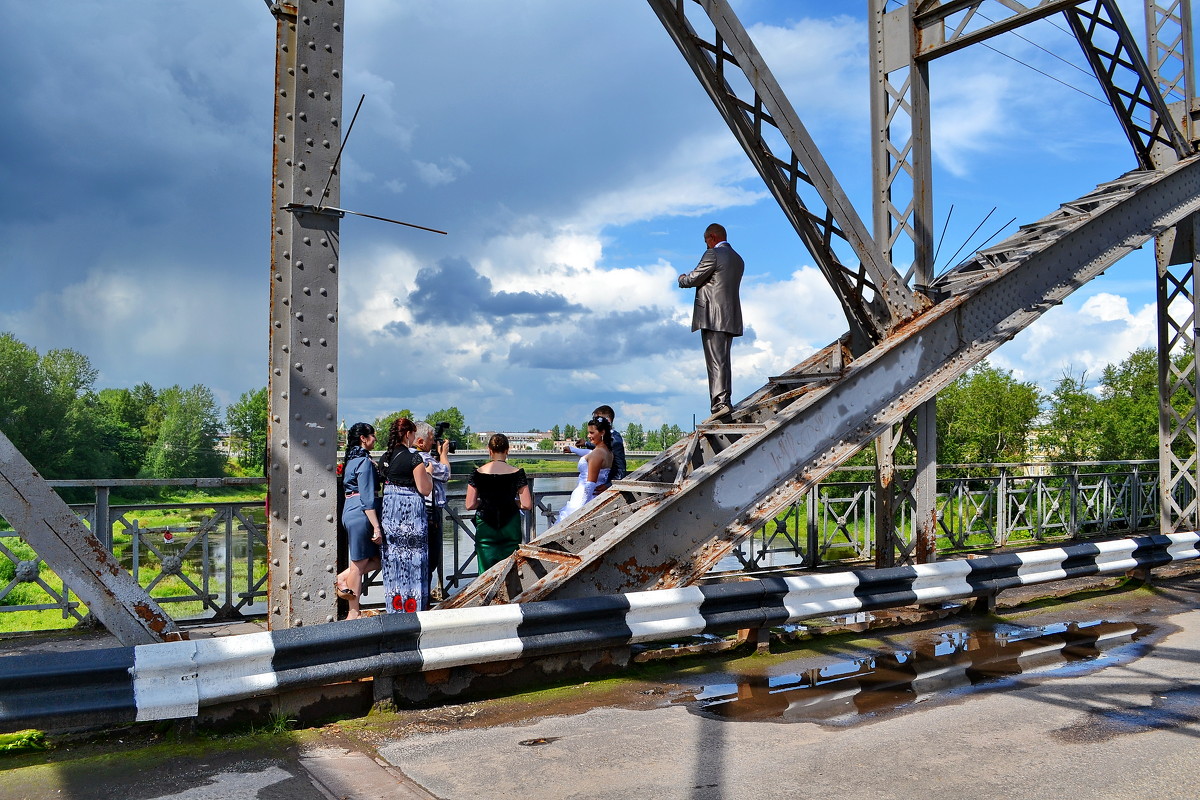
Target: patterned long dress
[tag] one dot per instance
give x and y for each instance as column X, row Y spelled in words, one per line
column 405, row 551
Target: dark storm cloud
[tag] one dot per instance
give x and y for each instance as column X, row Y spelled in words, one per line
column 613, row 338
column 453, row 292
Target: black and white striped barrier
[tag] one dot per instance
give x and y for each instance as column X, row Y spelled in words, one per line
column 176, row 679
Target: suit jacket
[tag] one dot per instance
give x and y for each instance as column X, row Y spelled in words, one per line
column 717, row 279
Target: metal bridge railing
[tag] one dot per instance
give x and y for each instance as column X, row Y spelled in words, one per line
column 213, row 564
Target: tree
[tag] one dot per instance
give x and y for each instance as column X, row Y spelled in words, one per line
column 1070, row 429
column 635, row 437
column 383, row 425
column 49, row 412
column 124, row 418
column 185, row 447
column 556, row 433
column 570, row 432
column 985, row 416
column 458, row 431
column 247, row 420
column 546, row 444
column 1128, row 407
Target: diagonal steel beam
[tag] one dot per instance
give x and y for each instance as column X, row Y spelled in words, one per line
column 873, row 295
column 699, row 501
column 1117, row 62
column 76, row 555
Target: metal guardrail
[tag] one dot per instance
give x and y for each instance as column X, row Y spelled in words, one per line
column 214, row 565
column 174, row 680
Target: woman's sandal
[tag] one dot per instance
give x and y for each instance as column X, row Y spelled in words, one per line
column 343, row 591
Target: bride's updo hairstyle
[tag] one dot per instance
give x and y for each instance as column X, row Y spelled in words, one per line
column 498, row 443
column 605, row 427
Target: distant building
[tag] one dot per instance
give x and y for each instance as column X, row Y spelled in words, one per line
column 524, row 440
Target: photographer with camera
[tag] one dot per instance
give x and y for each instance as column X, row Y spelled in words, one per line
column 435, row 451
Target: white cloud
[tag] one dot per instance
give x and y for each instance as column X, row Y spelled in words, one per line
column 1086, row 335
column 450, row 170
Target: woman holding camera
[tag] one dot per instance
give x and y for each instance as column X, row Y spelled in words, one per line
column 497, row 491
column 406, row 549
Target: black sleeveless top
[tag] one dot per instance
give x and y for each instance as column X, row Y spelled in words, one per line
column 397, row 467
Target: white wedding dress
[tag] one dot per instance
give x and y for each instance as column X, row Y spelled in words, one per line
column 584, row 491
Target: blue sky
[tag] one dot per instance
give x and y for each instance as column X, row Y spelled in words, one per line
column 568, row 150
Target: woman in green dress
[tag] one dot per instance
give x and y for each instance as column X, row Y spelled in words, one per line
column 496, row 492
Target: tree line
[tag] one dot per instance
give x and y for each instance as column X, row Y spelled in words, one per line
column 52, row 412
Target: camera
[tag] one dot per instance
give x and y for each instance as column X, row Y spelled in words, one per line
column 439, row 434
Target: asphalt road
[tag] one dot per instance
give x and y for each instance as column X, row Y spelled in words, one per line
column 1053, row 712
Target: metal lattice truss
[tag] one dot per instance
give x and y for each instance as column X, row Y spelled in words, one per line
column 675, row 518
column 750, row 100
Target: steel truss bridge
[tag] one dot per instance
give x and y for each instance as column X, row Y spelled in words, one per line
column 909, row 334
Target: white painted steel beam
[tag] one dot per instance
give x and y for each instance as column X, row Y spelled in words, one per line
column 77, row 555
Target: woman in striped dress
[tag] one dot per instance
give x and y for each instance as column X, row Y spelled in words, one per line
column 406, row 549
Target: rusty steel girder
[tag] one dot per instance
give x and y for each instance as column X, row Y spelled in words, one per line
column 675, row 518
column 77, row 556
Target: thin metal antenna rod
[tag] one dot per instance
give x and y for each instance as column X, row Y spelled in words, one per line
column 977, row 227
column 383, row 219
column 338, row 160
column 984, row 243
column 942, row 238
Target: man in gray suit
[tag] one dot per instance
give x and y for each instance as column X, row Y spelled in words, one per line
column 718, row 311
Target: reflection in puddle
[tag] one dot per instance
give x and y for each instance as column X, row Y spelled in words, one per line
column 955, row 660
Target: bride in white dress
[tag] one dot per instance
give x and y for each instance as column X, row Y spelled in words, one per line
column 594, row 466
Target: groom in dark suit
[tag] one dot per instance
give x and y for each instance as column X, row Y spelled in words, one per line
column 718, row 311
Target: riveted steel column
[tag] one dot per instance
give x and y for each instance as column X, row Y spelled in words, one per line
column 302, row 547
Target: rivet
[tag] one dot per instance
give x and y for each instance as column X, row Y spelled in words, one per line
column 321, row 442
column 275, row 418
column 299, row 367
column 296, row 520
column 328, row 518
column 304, row 391
column 298, row 571
column 304, row 545
column 299, row 316
column 325, row 143
column 297, row 469
column 320, row 543
column 321, row 594
column 307, row 240
column 329, row 317
column 277, row 371
column 321, row 492
column 323, row 391
column 297, row 623
column 324, row 242
column 275, row 562
column 308, row 141
column 324, row 292
column 306, row 290
column 327, row 95
column 321, row 341
column 275, row 514
column 290, row 71
column 284, row 348
column 304, row 443
column 332, row 267
column 304, row 340
column 329, row 367
column 304, row 596
column 304, row 493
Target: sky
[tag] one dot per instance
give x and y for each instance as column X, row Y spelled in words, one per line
column 573, row 158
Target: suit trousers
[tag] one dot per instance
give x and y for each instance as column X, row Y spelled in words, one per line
column 717, row 345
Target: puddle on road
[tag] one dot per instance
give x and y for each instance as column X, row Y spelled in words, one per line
column 843, row 693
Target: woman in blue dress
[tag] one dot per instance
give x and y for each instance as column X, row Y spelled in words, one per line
column 360, row 516
column 406, row 480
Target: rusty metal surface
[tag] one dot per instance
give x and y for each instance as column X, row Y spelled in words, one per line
column 679, row 534
column 58, row 536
